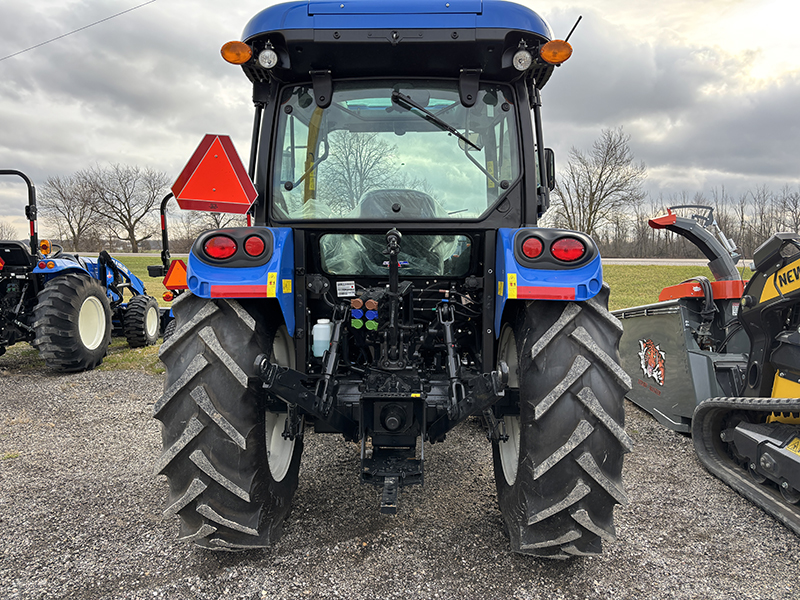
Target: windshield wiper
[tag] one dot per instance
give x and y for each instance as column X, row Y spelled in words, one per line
column 408, row 103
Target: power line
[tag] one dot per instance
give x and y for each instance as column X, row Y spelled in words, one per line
column 79, row 29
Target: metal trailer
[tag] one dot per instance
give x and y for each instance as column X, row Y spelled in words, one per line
column 394, row 281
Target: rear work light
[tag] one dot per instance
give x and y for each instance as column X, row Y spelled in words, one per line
column 254, row 245
column 220, row 247
column 268, row 58
column 568, row 249
column 532, row 247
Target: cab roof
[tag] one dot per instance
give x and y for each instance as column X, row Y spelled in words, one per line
column 396, row 38
column 397, row 14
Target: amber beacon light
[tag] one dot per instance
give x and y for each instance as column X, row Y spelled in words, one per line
column 236, row 53
column 555, row 52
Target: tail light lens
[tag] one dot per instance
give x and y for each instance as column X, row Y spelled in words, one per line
column 254, row 245
column 168, row 296
column 532, row 247
column 568, row 249
column 220, row 247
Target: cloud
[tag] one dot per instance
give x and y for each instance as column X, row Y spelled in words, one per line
column 140, row 89
column 688, row 81
column 695, row 115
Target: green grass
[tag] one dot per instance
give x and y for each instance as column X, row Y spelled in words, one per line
column 631, row 285
column 23, row 358
column 635, row 285
column 122, row 356
column 138, row 265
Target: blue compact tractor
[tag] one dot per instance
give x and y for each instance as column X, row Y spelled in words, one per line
column 67, row 305
column 393, row 281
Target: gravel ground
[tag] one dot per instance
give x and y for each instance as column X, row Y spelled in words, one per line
column 80, row 517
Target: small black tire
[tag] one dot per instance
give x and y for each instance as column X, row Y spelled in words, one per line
column 72, row 320
column 168, row 330
column 559, row 475
column 142, row 321
column 231, row 474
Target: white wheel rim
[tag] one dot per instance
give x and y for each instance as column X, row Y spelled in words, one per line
column 509, row 450
column 92, row 323
column 279, row 450
column 151, row 322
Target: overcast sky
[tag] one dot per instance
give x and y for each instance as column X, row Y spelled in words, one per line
column 708, row 91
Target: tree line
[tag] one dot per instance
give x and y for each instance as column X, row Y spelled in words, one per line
column 96, row 207
column 599, row 191
column 116, row 207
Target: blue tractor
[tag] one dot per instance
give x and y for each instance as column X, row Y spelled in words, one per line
column 394, row 281
column 67, row 305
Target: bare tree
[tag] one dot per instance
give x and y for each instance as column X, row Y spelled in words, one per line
column 358, row 163
column 68, row 204
column 789, row 203
column 215, row 220
column 7, row 231
column 598, row 185
column 125, row 197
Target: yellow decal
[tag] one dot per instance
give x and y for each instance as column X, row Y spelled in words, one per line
column 794, row 446
column 490, row 170
column 787, row 280
column 499, row 288
column 272, row 282
column 287, row 286
column 416, row 395
column 512, row 286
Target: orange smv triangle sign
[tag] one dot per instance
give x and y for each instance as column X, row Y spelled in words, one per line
column 215, row 179
column 176, row 276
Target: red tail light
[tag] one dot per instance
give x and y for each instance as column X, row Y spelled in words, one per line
column 254, row 245
column 568, row 249
column 220, row 247
column 532, row 247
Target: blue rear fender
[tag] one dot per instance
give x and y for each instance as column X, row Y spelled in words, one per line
column 273, row 279
column 62, row 266
column 544, row 277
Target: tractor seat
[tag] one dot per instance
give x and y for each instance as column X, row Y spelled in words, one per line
column 16, row 254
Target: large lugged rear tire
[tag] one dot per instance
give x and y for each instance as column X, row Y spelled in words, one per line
column 72, row 320
column 231, row 474
column 560, row 473
column 142, row 321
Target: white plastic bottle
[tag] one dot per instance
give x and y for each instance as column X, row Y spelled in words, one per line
column 321, row 337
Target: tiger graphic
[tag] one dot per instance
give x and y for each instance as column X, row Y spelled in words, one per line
column 652, row 360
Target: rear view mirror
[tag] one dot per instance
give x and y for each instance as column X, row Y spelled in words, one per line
column 550, row 167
